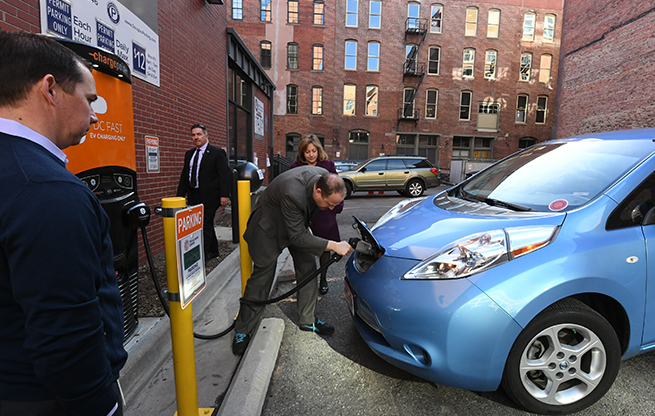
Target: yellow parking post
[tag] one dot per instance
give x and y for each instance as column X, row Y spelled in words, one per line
column 244, row 213
column 184, row 357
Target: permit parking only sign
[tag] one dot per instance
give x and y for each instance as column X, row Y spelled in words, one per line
column 190, row 253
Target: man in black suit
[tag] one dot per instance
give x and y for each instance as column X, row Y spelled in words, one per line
column 205, row 179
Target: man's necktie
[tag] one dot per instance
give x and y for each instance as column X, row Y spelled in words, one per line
column 194, row 169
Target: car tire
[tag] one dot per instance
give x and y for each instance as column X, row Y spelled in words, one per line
column 415, row 188
column 567, row 374
column 349, row 190
column 401, row 192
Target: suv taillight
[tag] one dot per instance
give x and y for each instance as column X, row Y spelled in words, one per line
column 435, row 171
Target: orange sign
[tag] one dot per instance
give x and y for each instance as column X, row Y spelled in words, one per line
column 109, row 142
column 190, row 253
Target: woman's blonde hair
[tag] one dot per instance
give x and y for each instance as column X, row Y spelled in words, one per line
column 306, row 141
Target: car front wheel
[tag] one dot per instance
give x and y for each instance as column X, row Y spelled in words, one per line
column 415, row 188
column 349, row 189
column 563, row 361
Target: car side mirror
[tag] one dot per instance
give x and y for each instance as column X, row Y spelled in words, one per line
column 643, row 214
column 649, row 219
column 363, row 169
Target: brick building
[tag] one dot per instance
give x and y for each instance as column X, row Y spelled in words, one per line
column 197, row 54
column 608, row 55
column 460, row 80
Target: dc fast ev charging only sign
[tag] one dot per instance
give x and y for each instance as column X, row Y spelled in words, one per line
column 190, row 253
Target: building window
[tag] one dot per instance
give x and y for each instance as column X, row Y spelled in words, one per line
column 351, row 55
column 434, row 53
column 317, row 100
column 472, row 148
column 409, row 99
column 490, row 64
column 413, row 14
column 542, row 109
column 526, row 65
column 544, row 68
column 528, row 27
column 265, row 11
column 375, row 15
column 237, row 9
column 493, row 23
column 349, row 93
column 488, row 116
column 292, row 55
column 293, row 140
column 319, row 13
column 358, row 144
column 292, row 99
column 317, row 57
column 471, row 21
column 465, row 105
column 292, row 11
column 371, row 100
column 521, row 108
column 431, row 97
column 525, row 142
column 468, row 63
column 351, row 12
column 436, row 18
column 373, row 56
column 549, row 27
column 265, row 53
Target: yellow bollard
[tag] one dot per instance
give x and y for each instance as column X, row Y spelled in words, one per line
column 244, row 213
column 184, row 356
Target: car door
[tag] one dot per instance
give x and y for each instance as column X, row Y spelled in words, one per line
column 397, row 173
column 372, row 176
column 637, row 243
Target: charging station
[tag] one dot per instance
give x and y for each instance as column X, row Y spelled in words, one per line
column 105, row 161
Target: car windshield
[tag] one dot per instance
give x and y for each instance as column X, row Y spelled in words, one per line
column 555, row 177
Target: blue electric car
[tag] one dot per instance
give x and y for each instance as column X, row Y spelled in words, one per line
column 537, row 274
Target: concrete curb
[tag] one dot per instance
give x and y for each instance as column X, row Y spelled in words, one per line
column 149, row 349
column 247, row 391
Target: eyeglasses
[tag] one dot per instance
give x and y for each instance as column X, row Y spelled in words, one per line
column 198, row 126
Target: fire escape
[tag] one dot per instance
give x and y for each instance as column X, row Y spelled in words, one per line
column 413, row 70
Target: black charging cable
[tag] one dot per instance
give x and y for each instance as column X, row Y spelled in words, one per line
column 301, row 283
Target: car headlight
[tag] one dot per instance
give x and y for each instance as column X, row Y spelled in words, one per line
column 482, row 251
column 401, row 207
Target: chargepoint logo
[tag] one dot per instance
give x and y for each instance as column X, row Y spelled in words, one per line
column 112, row 12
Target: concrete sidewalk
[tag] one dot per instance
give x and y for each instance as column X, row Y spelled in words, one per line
column 239, row 385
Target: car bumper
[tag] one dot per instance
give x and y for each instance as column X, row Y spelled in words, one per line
column 446, row 331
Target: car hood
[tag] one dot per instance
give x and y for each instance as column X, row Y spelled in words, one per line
column 433, row 224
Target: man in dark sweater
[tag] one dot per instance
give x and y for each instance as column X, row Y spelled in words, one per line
column 61, row 323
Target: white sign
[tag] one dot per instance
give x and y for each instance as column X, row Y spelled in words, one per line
column 190, row 253
column 259, row 117
column 152, row 154
column 108, row 25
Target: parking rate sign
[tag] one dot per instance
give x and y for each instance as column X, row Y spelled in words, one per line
column 190, row 253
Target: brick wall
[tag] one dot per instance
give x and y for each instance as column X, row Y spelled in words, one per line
column 383, row 128
column 608, row 58
column 192, row 48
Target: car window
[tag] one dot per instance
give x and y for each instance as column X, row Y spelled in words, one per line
column 622, row 215
column 376, row 165
column 558, row 176
column 396, row 164
column 417, row 163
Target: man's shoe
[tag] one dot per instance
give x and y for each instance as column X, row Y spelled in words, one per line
column 240, row 343
column 211, row 254
column 319, row 327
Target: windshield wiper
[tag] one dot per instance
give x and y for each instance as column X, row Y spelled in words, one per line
column 510, row 205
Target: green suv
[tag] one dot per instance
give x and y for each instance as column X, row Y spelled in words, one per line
column 408, row 175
